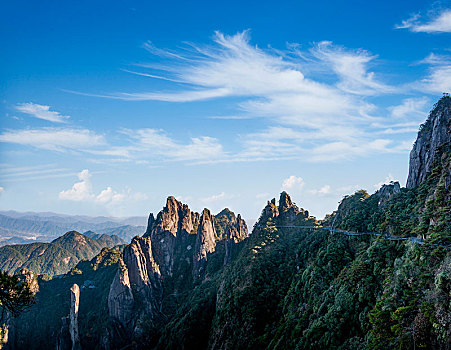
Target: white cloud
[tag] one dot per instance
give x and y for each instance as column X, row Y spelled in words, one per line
column 342, row 150
column 438, row 79
column 351, row 68
column 293, row 183
column 441, row 23
column 80, row 191
column 2, row 190
column 160, row 144
column 389, row 178
column 54, row 139
column 41, row 112
column 323, row 191
column 410, row 107
column 214, row 198
column 83, row 192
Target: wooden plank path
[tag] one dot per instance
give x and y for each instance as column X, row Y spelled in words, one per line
column 386, row 236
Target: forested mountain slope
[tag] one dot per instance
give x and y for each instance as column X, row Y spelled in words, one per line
column 57, row 257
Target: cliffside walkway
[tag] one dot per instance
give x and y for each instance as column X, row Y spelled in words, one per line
column 386, row 236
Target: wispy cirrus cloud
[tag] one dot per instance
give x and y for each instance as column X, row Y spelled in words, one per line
column 410, row 107
column 439, row 78
column 54, row 139
column 440, row 23
column 41, row 112
column 160, row 144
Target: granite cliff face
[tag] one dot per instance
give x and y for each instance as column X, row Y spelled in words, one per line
column 171, row 228
column 120, row 299
column 205, row 244
column 136, row 289
column 235, row 233
column 435, row 132
column 69, row 337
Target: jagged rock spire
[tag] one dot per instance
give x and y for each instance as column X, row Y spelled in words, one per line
column 285, row 202
column 205, row 244
column 174, row 223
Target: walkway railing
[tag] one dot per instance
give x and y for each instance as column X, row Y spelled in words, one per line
column 386, row 236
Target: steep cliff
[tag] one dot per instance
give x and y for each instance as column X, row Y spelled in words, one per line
column 69, row 337
column 171, row 228
column 435, row 132
column 205, row 244
column 236, row 232
column 120, row 298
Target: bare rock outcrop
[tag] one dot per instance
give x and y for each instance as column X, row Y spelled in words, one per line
column 205, row 244
column 69, row 338
column 286, row 213
column 270, row 211
column 73, row 325
column 172, row 225
column 120, row 298
column 236, row 232
column 435, row 132
column 144, row 273
column 387, row 191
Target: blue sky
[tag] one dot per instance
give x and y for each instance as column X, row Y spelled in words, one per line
column 108, row 107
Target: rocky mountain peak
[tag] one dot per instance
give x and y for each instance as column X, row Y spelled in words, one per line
column 285, row 202
column 435, row 132
column 173, row 224
column 287, row 212
column 387, row 191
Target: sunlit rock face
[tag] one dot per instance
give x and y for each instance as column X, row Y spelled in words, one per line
column 69, row 337
column 435, row 132
column 120, row 298
column 171, row 227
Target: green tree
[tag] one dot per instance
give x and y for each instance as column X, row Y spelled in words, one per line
column 15, row 295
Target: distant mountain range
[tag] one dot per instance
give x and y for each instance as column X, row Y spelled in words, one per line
column 20, row 228
column 57, row 257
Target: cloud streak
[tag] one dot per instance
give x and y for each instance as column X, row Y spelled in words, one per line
column 441, row 23
column 54, row 139
column 41, row 112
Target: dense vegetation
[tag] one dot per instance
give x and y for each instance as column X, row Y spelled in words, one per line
column 298, row 289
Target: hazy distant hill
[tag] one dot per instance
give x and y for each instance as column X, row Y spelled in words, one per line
column 43, row 227
column 56, row 257
column 64, row 218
